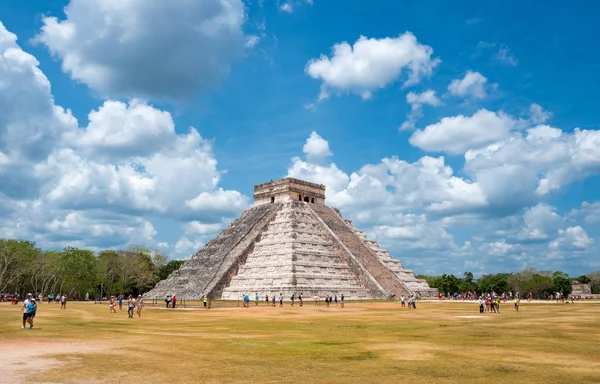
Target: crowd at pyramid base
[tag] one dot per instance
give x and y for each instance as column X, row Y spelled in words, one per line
column 288, row 243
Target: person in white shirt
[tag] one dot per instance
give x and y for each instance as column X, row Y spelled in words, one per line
column 25, row 308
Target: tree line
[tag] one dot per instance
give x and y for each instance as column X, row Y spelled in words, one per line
column 541, row 284
column 75, row 271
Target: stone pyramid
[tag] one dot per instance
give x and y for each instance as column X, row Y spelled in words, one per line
column 290, row 242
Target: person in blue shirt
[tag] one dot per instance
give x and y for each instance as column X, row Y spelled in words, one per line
column 32, row 308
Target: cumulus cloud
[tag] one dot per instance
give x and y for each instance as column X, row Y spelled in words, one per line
column 316, row 149
column 559, row 157
column 458, row 134
column 30, row 123
column 571, row 239
column 538, row 115
column 153, row 50
column 371, row 64
column 416, row 101
column 473, row 84
column 99, row 185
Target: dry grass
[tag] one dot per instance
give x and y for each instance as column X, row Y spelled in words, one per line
column 362, row 343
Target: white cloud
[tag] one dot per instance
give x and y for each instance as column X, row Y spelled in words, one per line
column 458, row 134
column 286, row 7
column 473, row 84
column 100, row 185
column 505, row 56
column 316, row 149
column 117, row 130
column 152, row 50
column 571, row 239
column 371, row 64
column 538, row 115
column 539, row 223
column 560, row 158
column 416, row 101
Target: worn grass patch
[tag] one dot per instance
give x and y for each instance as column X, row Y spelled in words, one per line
column 369, row 342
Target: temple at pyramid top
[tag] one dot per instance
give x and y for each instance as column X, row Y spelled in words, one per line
column 290, row 243
column 289, row 189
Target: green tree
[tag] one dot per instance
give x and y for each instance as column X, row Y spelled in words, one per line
column 540, row 285
column 78, row 271
column 561, row 283
column 493, row 283
column 16, row 259
column 583, row 279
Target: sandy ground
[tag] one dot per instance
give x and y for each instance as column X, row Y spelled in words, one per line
column 19, row 360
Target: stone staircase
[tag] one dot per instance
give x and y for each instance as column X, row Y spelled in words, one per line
column 210, row 269
column 367, row 258
column 295, row 255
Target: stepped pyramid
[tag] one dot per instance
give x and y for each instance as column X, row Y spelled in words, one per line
column 290, row 242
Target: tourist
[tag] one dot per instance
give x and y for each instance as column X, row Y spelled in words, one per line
column 111, row 305
column 25, row 309
column 173, row 301
column 140, row 305
column 167, row 301
column 130, row 306
column 267, row 299
column 280, row 300
column 87, row 296
column 205, row 300
column 292, row 298
column 517, row 302
column 120, row 301
column 480, row 304
column 50, row 297
column 300, row 298
column 247, row 300
column 256, row 299
column 327, row 301
column 342, row 300
column 32, row 310
column 63, row 301
column 336, row 300
column 497, row 304
column 402, row 304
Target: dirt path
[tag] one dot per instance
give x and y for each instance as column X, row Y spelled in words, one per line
column 26, row 357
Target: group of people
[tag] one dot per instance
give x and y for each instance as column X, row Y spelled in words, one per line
column 273, row 300
column 412, row 301
column 29, row 309
column 171, row 301
column 132, row 303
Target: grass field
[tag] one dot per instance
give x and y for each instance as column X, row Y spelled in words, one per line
column 362, row 343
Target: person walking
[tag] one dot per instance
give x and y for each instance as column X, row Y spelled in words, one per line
column 402, row 303
column 342, row 300
column 121, row 301
column 63, row 301
column 205, row 300
column 281, row 300
column 256, row 299
column 25, row 309
column 174, row 301
column 517, row 302
column 130, row 306
column 481, row 304
column 140, row 305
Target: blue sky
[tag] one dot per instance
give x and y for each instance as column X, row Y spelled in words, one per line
column 460, row 136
